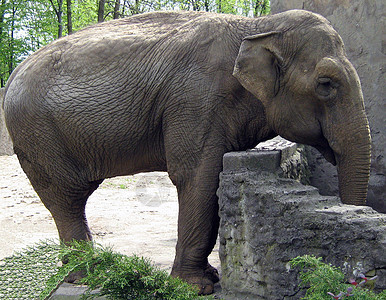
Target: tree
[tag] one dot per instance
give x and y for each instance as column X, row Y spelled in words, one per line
column 69, row 17
column 12, row 47
column 59, row 13
column 260, row 7
column 2, row 26
column 116, row 9
column 11, row 39
column 101, row 11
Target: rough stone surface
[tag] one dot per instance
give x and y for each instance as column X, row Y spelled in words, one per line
column 5, row 140
column 361, row 25
column 69, row 291
column 266, row 220
column 272, row 154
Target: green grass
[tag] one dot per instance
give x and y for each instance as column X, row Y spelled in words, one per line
column 36, row 272
column 24, row 275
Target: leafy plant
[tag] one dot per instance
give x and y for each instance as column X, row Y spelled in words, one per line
column 22, row 275
column 117, row 276
column 324, row 281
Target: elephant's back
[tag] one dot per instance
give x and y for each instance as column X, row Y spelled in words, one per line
column 122, row 72
column 150, row 43
column 155, row 24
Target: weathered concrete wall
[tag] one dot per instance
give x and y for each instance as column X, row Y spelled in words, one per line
column 266, row 220
column 5, row 140
column 362, row 27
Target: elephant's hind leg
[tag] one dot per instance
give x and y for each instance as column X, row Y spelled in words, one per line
column 70, row 218
column 68, row 211
column 63, row 191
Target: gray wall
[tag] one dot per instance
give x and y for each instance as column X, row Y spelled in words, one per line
column 361, row 24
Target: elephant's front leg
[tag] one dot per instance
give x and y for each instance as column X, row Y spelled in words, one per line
column 198, row 223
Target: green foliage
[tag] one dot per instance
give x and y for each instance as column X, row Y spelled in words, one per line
column 117, row 276
column 84, row 13
column 324, row 281
column 22, row 275
column 34, row 273
column 25, row 26
column 321, row 278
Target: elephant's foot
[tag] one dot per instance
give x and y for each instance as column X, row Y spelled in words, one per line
column 75, row 277
column 204, row 283
column 212, row 273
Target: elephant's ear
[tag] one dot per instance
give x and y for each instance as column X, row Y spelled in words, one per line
column 258, row 65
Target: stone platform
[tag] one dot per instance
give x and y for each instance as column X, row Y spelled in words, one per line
column 267, row 219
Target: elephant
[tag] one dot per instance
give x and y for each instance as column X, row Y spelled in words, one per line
column 175, row 91
column 5, row 140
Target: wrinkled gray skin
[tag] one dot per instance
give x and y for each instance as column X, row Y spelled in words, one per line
column 174, row 91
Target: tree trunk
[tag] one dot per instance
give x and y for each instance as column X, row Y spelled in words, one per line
column 256, row 9
column 101, row 11
column 60, row 22
column 59, row 12
column 2, row 10
column 196, row 5
column 123, row 8
column 116, row 9
column 69, row 17
column 11, row 42
column 206, row 4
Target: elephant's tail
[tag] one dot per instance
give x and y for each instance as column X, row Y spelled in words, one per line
column 2, row 95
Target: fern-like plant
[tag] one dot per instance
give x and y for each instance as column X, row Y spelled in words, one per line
column 117, row 276
column 324, row 281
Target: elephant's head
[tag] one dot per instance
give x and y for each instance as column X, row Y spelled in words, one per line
column 311, row 94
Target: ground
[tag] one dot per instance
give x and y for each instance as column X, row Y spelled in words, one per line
column 133, row 214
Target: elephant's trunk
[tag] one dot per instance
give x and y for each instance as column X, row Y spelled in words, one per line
column 353, row 161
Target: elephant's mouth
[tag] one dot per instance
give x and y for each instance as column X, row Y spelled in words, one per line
column 328, row 153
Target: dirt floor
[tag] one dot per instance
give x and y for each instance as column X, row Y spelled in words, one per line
column 133, row 214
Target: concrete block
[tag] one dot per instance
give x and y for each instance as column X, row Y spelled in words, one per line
column 267, row 220
column 255, row 160
column 68, row 291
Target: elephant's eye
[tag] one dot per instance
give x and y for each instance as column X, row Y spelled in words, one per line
column 325, row 88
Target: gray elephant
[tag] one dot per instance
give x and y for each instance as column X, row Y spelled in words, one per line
column 174, row 91
column 5, row 140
